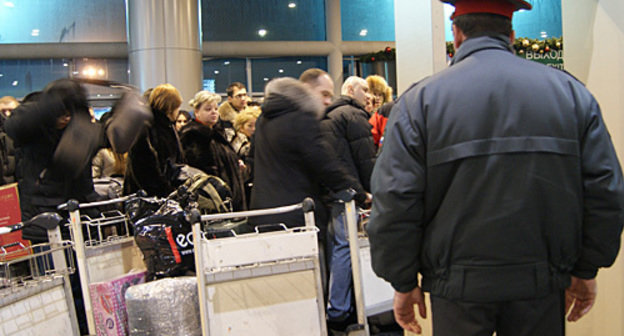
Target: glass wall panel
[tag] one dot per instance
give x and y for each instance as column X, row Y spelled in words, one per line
column 263, row 20
column 20, row 77
column 47, row 21
column 265, row 69
column 220, row 72
column 365, row 20
column 543, row 21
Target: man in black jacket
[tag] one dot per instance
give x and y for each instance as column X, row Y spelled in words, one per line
column 347, row 128
column 502, row 195
column 292, row 160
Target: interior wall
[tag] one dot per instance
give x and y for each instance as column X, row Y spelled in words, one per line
column 593, row 36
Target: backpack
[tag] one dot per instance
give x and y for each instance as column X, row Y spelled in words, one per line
column 210, row 192
column 108, row 187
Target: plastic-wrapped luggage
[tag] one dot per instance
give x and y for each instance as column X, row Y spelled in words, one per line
column 167, row 307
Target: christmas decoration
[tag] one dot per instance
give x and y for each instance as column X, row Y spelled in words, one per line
column 388, row 54
column 523, row 45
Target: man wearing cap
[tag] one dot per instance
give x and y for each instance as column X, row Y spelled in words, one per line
column 499, row 185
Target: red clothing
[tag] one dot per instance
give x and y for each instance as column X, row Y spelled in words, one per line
column 379, row 126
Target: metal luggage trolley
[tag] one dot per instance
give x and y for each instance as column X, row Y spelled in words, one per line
column 39, row 300
column 260, row 283
column 373, row 295
column 109, row 250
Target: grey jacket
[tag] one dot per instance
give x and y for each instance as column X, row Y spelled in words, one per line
column 497, row 180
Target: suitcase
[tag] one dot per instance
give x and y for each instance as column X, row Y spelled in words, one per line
column 165, row 307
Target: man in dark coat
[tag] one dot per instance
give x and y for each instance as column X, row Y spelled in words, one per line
column 503, row 195
column 292, row 159
column 347, row 128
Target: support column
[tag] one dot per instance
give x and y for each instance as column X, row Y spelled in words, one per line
column 593, row 39
column 334, row 37
column 420, row 43
column 164, row 44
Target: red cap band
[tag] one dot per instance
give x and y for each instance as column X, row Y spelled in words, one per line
column 503, row 8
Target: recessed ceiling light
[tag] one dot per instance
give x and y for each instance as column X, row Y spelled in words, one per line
column 15, row 83
column 363, row 32
column 280, row 70
column 266, row 79
column 292, row 5
column 216, row 72
column 262, row 32
column 65, row 64
column 34, row 32
column 299, row 62
column 1, row 75
column 226, row 63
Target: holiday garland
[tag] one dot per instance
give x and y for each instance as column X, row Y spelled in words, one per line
column 388, row 54
column 521, row 45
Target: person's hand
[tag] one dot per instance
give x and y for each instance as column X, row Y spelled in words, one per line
column 581, row 296
column 404, row 312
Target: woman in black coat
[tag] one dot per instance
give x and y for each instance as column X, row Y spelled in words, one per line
column 206, row 147
column 153, row 160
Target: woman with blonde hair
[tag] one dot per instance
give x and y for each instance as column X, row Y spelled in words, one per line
column 382, row 94
column 152, row 160
column 206, row 147
column 245, row 126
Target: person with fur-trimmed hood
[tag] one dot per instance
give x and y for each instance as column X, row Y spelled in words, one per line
column 292, row 158
column 207, row 148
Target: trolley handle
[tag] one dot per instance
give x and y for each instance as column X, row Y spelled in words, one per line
column 307, row 205
column 73, row 205
column 267, row 227
column 4, row 247
column 45, row 220
column 344, row 196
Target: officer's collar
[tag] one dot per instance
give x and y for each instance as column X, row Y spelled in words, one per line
column 474, row 44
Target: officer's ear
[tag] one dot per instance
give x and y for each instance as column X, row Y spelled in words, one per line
column 458, row 37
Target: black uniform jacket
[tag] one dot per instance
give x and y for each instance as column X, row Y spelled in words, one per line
column 497, row 180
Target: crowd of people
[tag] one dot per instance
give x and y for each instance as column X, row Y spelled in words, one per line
column 297, row 142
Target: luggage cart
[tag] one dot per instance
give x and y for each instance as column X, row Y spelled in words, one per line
column 22, row 293
column 109, row 250
column 373, row 295
column 260, row 283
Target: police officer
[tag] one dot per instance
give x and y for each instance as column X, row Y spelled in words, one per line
column 499, row 184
